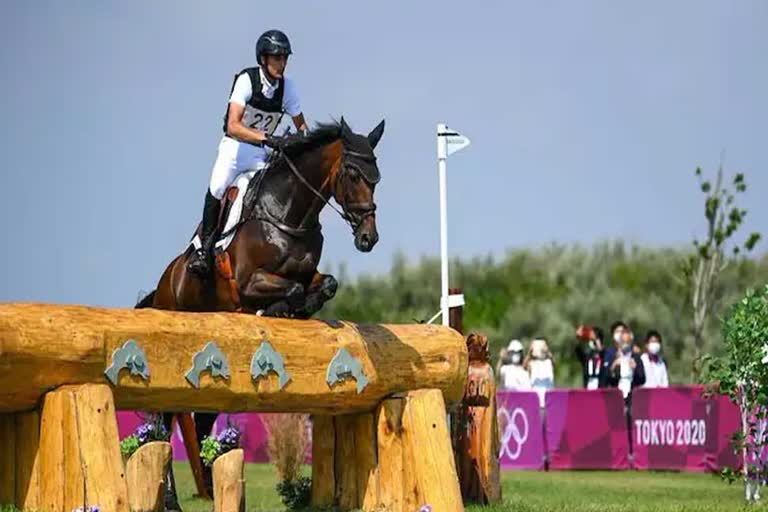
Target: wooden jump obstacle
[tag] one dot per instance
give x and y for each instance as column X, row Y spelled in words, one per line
column 377, row 393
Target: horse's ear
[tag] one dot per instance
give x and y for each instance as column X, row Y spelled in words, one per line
column 375, row 136
column 346, row 131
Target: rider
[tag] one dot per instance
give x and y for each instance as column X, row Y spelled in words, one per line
column 259, row 97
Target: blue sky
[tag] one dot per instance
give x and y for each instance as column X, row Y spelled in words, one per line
column 587, row 120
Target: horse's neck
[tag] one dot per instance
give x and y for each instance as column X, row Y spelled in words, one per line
column 291, row 200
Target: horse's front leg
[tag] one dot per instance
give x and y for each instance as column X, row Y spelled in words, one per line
column 322, row 289
column 285, row 297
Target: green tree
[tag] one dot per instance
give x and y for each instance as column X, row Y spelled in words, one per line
column 703, row 268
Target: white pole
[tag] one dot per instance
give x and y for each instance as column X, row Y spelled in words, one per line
column 441, row 156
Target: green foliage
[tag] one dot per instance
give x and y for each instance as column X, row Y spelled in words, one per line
column 129, row 445
column 548, row 291
column 209, row 450
column 295, row 494
column 742, row 374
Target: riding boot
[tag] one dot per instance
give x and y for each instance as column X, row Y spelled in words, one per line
column 200, row 263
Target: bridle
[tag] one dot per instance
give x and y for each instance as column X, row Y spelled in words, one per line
column 353, row 213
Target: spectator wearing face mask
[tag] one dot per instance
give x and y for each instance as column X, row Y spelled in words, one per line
column 627, row 371
column 590, row 353
column 511, row 373
column 655, row 367
column 541, row 367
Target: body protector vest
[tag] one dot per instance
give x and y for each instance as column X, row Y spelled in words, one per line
column 261, row 113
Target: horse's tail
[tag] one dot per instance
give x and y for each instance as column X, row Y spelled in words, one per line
column 147, row 301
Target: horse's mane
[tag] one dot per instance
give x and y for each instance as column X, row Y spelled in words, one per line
column 321, row 135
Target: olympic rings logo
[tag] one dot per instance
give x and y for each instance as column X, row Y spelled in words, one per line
column 515, row 429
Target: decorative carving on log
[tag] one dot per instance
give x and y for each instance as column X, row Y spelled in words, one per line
column 212, row 359
column 129, row 356
column 344, row 366
column 267, row 359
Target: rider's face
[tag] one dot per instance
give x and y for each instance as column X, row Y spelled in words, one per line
column 276, row 65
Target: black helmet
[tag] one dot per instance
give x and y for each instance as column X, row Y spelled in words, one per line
column 272, row 42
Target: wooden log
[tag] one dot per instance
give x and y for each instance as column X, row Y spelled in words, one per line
column 28, row 495
column 428, row 451
column 80, row 461
column 397, row 484
column 355, row 462
column 145, row 474
column 44, row 346
column 7, row 459
column 228, row 482
column 323, row 450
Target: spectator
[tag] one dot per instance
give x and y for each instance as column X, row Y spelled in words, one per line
column 590, row 353
column 512, row 374
column 540, row 365
column 655, row 367
column 627, row 370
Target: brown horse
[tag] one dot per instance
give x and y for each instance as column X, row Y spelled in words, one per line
column 271, row 264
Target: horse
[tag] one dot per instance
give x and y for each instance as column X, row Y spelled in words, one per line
column 270, row 266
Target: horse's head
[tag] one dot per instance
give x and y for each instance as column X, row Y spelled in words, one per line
column 355, row 183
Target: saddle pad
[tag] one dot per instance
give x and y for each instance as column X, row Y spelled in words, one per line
column 235, row 211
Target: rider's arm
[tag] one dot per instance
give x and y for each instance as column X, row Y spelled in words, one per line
column 237, row 130
column 299, row 122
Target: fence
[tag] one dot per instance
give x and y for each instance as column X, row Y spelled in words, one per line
column 669, row 429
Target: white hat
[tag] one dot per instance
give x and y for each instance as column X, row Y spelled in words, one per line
column 515, row 346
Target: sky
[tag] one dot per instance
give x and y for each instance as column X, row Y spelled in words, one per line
column 587, row 121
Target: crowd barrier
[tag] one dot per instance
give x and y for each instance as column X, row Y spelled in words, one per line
column 669, row 429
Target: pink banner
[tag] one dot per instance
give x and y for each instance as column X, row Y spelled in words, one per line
column 676, row 428
column 586, row 429
column 521, row 430
column 671, row 428
column 253, row 438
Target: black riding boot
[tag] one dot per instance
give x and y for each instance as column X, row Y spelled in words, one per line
column 200, row 263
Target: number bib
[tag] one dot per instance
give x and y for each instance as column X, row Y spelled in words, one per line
column 259, row 120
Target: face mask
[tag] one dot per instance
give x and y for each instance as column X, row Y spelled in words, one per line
column 516, row 358
column 617, row 336
column 654, row 347
column 626, row 348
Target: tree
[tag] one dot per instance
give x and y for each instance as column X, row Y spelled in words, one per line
column 742, row 374
column 703, row 268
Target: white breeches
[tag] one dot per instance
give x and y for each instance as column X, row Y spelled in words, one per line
column 234, row 158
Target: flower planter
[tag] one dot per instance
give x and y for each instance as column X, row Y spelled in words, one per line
column 228, row 482
column 145, row 474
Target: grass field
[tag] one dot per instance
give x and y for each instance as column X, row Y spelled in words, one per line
column 542, row 492
column 585, row 491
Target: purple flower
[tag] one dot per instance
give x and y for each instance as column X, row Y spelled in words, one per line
column 426, row 508
column 229, row 438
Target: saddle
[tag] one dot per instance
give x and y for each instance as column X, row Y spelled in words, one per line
column 236, row 206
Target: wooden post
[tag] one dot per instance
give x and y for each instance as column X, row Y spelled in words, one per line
column 355, row 462
column 456, row 314
column 189, row 435
column 145, row 474
column 80, row 462
column 228, row 482
column 7, row 459
column 323, row 451
column 28, row 495
column 475, row 429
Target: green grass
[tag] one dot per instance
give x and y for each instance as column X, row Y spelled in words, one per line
column 523, row 491
column 575, row 491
